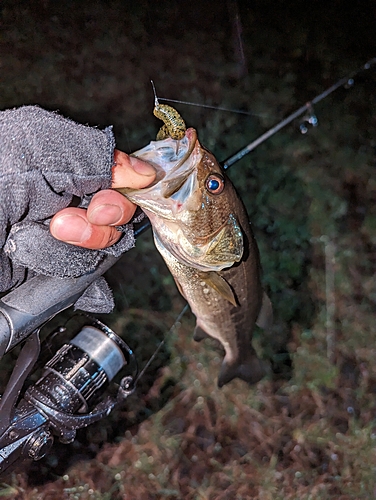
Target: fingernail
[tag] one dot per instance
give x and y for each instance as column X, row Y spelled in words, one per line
column 71, row 228
column 141, row 167
column 106, row 214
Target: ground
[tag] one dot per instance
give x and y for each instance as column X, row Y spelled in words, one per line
column 307, row 431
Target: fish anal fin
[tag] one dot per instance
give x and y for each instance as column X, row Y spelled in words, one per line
column 220, row 285
column 251, row 371
column 200, row 334
column 265, row 317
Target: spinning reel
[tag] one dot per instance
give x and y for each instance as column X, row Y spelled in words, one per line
column 70, row 393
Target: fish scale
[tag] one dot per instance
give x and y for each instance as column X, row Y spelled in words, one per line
column 205, row 238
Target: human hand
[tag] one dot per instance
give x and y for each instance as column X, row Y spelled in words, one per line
column 94, row 228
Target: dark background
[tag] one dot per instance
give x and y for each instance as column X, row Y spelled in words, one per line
column 308, row 428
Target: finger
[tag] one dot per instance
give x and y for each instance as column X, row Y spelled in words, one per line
column 131, row 172
column 110, row 208
column 72, row 226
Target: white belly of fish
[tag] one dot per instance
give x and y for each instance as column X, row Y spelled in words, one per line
column 210, row 309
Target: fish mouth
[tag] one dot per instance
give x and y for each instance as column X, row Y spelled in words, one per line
column 169, row 157
column 174, row 199
column 174, row 181
column 174, row 162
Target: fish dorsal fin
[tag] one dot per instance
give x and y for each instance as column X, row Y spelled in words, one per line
column 265, row 317
column 220, row 285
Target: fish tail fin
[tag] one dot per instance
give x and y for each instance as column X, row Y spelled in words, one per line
column 251, row 370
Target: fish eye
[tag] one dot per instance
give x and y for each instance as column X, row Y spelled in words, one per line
column 215, row 184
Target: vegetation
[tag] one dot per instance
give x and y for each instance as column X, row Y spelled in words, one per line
column 308, row 431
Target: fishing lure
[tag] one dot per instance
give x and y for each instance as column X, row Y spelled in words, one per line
column 174, row 125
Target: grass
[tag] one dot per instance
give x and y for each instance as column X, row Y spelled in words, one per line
column 307, row 431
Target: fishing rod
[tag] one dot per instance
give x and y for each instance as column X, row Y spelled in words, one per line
column 306, row 108
column 63, row 400
column 311, row 118
column 16, row 323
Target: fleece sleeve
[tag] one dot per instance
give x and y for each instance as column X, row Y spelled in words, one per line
column 46, row 160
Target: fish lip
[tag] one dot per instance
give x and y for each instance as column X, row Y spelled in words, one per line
column 174, row 167
column 163, row 175
column 191, row 134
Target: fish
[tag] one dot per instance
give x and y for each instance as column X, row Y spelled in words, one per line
column 201, row 229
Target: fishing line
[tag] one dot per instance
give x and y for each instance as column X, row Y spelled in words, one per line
column 161, row 343
column 217, row 108
column 208, row 106
column 311, row 118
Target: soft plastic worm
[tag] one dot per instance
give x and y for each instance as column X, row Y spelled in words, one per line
column 174, row 125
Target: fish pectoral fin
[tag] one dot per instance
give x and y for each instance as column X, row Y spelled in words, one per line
column 220, row 285
column 265, row 317
column 200, row 334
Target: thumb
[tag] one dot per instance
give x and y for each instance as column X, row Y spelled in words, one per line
column 131, row 172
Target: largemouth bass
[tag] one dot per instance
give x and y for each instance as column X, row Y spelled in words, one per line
column 202, row 231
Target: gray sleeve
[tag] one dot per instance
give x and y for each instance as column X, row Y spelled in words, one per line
column 45, row 161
